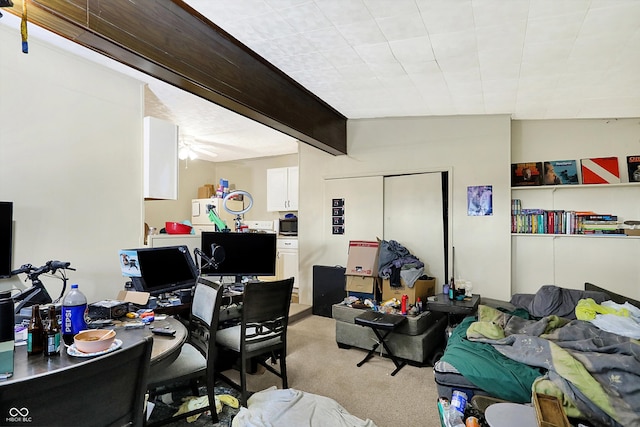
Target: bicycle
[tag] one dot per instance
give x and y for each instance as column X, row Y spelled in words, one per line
column 37, row 293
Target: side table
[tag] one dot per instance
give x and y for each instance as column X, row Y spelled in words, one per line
column 381, row 322
column 455, row 308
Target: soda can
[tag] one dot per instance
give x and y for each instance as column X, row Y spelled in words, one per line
column 472, row 422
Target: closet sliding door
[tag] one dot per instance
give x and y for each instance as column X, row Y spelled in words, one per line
column 413, row 216
column 411, row 209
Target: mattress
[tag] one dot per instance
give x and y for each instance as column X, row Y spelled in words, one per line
column 448, row 378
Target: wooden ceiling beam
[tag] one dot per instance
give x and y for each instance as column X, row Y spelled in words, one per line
column 172, row 42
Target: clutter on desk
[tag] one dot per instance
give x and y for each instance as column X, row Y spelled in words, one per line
column 108, row 309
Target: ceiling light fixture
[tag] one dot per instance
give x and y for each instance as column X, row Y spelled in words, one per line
column 185, row 150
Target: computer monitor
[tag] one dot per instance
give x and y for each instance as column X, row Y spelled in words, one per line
column 6, row 238
column 159, row 270
column 245, row 254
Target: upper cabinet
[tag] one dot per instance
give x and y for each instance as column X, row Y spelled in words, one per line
column 160, row 159
column 282, row 189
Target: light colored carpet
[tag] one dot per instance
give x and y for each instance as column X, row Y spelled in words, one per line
column 316, row 365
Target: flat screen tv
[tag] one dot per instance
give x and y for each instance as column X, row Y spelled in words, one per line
column 245, row 254
column 159, row 270
column 6, row 238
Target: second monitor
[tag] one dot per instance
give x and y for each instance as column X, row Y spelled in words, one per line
column 245, row 254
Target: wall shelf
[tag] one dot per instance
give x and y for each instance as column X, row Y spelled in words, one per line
column 580, row 236
column 574, row 187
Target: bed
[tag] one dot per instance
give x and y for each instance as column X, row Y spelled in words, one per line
column 507, row 354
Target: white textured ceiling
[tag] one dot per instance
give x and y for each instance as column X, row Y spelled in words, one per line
column 531, row 59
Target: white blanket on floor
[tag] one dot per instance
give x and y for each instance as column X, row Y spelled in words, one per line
column 286, row 408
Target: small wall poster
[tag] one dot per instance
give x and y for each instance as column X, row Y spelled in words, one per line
column 337, row 216
column 129, row 263
column 480, row 200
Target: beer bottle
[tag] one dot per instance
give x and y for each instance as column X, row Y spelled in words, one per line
column 452, row 289
column 35, row 337
column 52, row 334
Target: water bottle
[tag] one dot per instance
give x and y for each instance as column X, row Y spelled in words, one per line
column 7, row 334
column 74, row 310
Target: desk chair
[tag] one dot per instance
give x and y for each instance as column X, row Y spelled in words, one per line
column 107, row 390
column 262, row 333
column 197, row 356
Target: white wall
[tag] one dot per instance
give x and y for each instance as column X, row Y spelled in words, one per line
column 191, row 175
column 477, row 151
column 71, row 161
column 249, row 175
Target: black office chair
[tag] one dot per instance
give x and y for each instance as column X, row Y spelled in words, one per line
column 196, row 360
column 262, row 333
column 107, row 390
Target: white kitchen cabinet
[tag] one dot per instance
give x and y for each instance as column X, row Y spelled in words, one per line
column 287, row 259
column 282, row 189
column 160, row 159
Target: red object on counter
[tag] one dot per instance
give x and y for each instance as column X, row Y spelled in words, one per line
column 177, row 228
column 403, row 306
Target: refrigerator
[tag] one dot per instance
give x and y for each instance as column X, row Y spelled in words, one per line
column 200, row 213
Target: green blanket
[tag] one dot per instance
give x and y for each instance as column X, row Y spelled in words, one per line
column 595, row 373
column 487, row 368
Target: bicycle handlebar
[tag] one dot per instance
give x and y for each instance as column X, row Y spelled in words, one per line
column 50, row 266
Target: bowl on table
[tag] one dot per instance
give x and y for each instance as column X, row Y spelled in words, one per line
column 177, row 228
column 94, row 340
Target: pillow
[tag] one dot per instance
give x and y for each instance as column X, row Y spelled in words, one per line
column 554, row 300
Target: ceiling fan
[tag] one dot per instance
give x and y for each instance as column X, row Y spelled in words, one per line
column 190, row 148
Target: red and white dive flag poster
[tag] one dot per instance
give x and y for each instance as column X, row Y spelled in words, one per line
column 600, row 170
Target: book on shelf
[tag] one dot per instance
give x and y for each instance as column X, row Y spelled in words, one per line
column 560, row 172
column 526, row 174
column 600, row 170
column 598, row 217
column 516, row 206
column 633, row 166
column 543, row 221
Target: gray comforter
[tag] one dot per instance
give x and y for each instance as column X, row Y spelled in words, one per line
column 596, row 374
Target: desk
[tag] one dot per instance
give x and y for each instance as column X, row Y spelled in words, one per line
column 184, row 309
column 165, row 350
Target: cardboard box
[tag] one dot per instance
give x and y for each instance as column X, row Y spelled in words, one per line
column 361, row 284
column 138, row 298
column 206, row 191
column 363, row 287
column 421, row 288
column 362, row 258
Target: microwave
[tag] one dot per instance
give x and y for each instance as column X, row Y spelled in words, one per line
column 288, row 227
